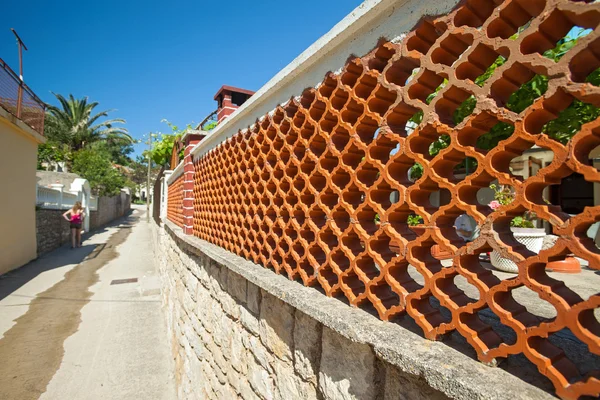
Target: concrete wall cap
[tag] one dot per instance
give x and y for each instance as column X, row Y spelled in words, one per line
column 176, row 173
column 369, row 21
column 22, row 127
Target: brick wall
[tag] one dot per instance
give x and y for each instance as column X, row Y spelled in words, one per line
column 175, row 201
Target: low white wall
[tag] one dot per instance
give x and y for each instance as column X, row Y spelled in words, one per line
column 52, row 198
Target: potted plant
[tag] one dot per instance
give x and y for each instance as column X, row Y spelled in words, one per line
column 569, row 265
column 523, row 228
column 415, row 223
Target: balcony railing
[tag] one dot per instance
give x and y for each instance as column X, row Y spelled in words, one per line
column 19, row 100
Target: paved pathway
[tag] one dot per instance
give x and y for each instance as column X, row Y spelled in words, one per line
column 67, row 333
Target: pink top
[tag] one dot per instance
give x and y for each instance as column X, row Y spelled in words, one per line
column 76, row 218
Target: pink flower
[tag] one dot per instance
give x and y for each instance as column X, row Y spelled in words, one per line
column 494, row 204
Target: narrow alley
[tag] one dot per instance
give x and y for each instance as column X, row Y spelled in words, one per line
column 87, row 323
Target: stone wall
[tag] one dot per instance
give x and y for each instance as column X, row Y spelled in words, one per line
column 240, row 331
column 52, row 230
column 109, row 209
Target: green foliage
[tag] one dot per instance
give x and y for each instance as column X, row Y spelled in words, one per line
column 138, row 175
column 415, row 172
column 162, row 149
column 139, row 167
column 414, row 220
column 517, row 102
column 97, row 168
column 527, row 94
column 417, row 118
column 569, row 121
column 480, row 80
column 561, row 129
column 563, row 46
column 131, row 185
column 500, row 131
column 75, row 125
column 441, row 143
column 432, row 96
column 566, row 43
column 594, row 78
column 505, row 195
column 521, row 222
column 119, row 151
column 50, row 152
column 210, row 126
column 464, row 110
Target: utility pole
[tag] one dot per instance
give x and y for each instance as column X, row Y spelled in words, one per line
column 150, row 136
column 20, row 93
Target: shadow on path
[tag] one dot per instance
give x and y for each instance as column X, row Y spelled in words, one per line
column 35, row 344
column 13, row 280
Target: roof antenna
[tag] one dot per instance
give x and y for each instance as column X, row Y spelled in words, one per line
column 21, row 46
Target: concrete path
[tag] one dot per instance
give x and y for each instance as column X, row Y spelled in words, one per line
column 66, row 332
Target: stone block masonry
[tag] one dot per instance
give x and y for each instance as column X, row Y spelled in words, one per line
column 238, row 331
column 109, row 209
column 53, row 231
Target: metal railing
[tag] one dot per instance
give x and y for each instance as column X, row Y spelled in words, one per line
column 210, row 119
column 19, row 100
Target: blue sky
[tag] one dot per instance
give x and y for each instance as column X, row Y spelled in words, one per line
column 154, row 59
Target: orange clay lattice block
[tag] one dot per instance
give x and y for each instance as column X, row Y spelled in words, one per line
column 320, row 189
column 175, row 202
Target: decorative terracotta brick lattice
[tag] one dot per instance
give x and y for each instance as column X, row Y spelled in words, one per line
column 175, row 202
column 320, row 190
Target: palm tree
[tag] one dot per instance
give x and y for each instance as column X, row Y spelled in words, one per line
column 75, row 126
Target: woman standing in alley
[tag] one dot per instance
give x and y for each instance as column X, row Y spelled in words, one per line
column 75, row 216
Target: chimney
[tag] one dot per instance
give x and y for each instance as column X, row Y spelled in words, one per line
column 230, row 99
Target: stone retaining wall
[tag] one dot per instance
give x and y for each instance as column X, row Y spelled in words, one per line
column 109, row 209
column 240, row 331
column 52, row 230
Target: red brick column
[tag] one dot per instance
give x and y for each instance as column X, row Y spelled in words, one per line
column 190, row 140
